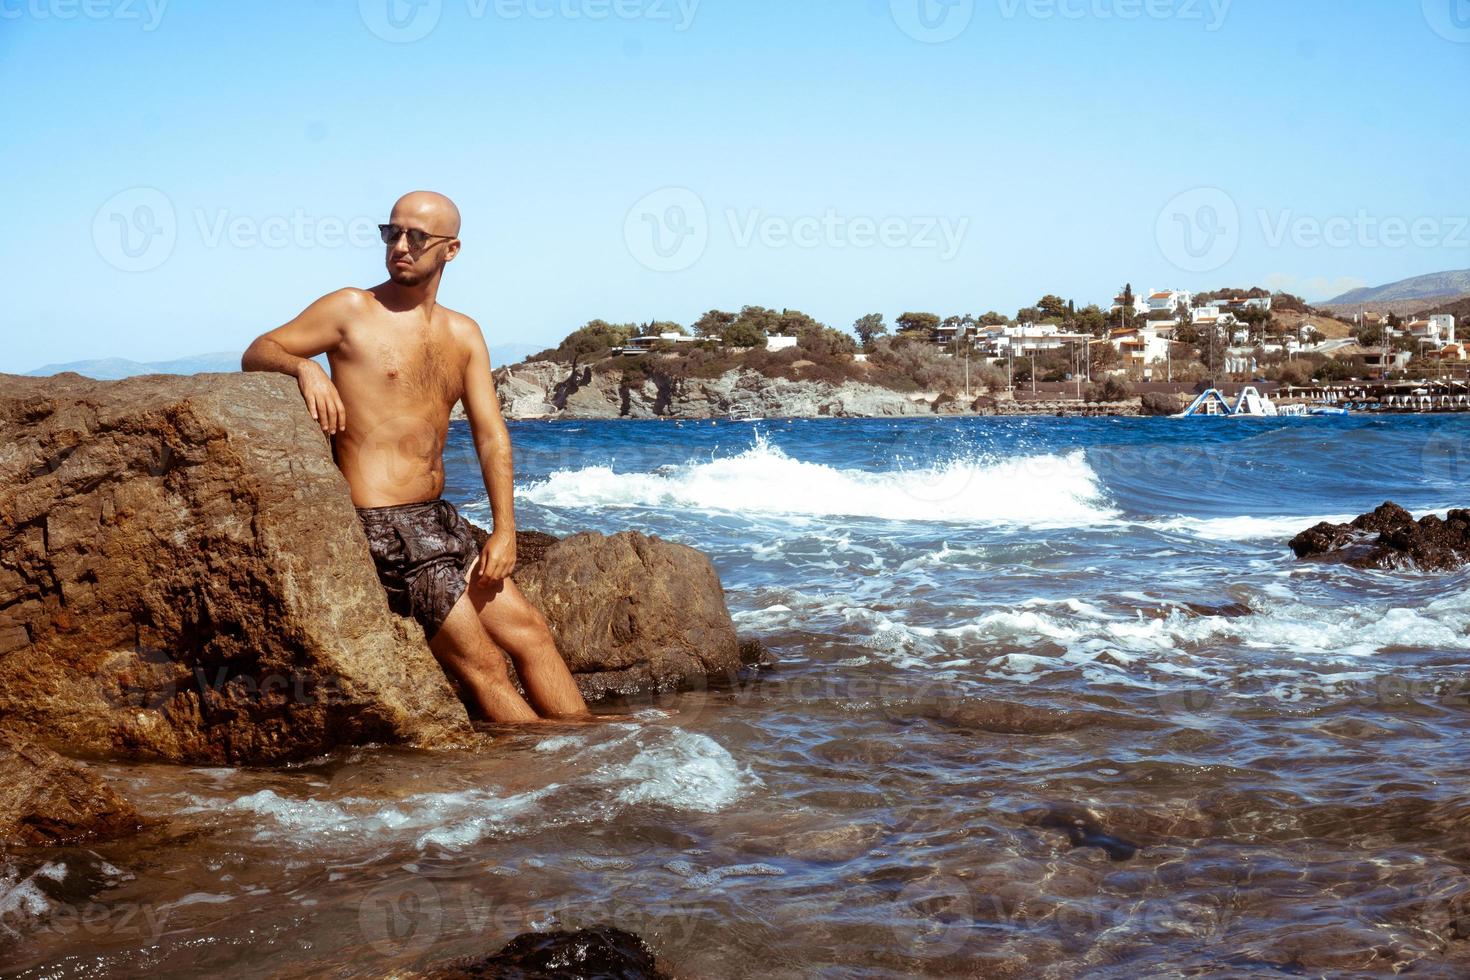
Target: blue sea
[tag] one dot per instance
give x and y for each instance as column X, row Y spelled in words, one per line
column 1051, row 698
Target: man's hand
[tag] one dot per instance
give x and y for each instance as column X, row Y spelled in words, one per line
column 322, row 398
column 497, row 559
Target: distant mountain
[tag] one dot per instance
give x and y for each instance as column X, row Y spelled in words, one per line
column 1444, row 285
column 116, row 368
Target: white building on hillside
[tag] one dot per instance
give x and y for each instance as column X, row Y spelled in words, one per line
column 1168, row 301
column 1140, row 304
column 1141, row 345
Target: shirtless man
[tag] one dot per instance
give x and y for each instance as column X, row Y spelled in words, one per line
column 399, row 363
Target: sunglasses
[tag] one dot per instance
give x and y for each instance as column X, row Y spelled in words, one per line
column 417, row 240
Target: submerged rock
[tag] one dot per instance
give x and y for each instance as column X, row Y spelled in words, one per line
column 183, row 577
column 601, row 953
column 1083, row 830
column 45, row 799
column 1429, row 544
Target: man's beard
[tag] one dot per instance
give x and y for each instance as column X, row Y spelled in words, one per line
column 408, row 277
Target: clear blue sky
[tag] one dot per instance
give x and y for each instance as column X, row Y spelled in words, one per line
column 219, row 150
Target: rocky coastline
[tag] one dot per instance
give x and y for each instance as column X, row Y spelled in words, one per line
column 183, row 579
column 550, row 390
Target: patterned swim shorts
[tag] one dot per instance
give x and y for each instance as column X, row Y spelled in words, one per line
column 422, row 552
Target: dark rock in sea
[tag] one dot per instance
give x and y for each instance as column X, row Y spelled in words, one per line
column 183, row 577
column 46, row 799
column 1083, row 830
column 601, row 953
column 1401, row 543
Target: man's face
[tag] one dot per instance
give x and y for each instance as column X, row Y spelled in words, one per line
column 408, row 266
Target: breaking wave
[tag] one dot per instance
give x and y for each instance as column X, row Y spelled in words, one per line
column 1049, row 490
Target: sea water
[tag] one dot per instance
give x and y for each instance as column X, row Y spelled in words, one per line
column 1004, row 649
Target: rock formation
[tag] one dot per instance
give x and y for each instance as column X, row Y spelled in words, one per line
column 541, row 389
column 598, row 952
column 44, row 799
column 183, row 577
column 1390, row 538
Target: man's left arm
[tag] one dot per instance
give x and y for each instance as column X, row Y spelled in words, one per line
column 492, row 446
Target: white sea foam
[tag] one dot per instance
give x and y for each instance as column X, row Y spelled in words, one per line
column 1035, row 491
column 21, row 899
column 637, row 765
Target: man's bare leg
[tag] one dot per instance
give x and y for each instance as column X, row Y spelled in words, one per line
column 518, row 627
column 465, row 651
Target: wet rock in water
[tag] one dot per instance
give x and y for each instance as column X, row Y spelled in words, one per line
column 601, row 953
column 1429, row 544
column 46, row 799
column 1083, row 830
column 634, row 614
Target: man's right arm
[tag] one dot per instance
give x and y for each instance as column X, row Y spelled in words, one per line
column 289, row 349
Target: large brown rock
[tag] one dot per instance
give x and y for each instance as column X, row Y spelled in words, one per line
column 183, row 577
column 631, row 613
column 45, row 799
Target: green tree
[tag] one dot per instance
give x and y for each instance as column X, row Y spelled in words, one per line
column 1051, row 306
column 917, row 323
column 1029, row 314
column 993, row 319
column 667, row 326
column 1091, row 319
column 713, row 324
column 869, row 328
column 744, row 333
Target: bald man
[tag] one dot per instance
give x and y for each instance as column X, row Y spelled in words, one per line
column 399, row 363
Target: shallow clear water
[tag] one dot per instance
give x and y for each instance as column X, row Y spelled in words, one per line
column 984, row 627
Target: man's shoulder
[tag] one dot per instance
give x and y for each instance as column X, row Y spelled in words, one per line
column 350, row 299
column 461, row 326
